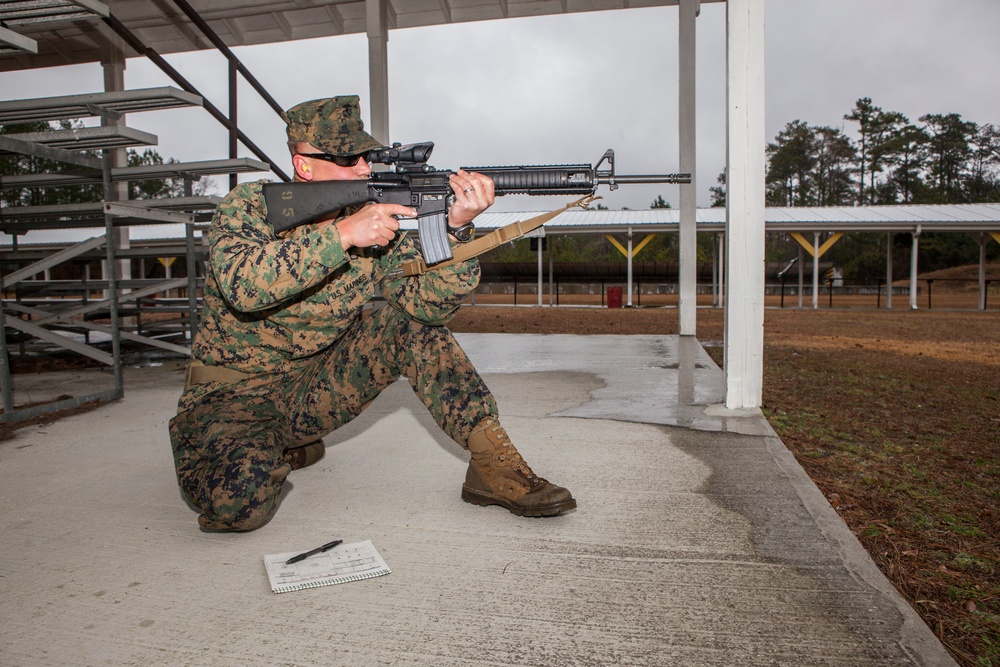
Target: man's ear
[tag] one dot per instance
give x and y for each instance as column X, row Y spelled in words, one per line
column 302, row 168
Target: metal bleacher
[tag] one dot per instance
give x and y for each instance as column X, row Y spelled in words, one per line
column 68, row 313
column 65, row 313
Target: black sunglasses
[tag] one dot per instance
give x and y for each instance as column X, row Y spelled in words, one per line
column 339, row 160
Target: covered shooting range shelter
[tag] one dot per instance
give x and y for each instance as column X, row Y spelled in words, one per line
column 62, row 32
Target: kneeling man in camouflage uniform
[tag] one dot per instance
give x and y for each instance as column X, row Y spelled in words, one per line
column 286, row 352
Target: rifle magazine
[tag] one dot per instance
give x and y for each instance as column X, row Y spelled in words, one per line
column 434, row 243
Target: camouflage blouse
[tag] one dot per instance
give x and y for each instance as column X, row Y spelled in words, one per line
column 273, row 301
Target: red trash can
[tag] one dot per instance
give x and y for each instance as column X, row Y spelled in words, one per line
column 614, row 297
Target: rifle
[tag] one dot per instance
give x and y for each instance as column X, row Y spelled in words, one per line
column 414, row 183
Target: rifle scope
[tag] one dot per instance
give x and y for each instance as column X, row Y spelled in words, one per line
column 400, row 154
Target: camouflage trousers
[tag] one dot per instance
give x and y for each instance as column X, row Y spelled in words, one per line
column 228, row 448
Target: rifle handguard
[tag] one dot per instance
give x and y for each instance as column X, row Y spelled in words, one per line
column 570, row 179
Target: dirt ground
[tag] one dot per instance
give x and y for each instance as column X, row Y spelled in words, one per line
column 894, row 414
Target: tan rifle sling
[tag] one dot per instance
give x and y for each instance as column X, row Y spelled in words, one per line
column 494, row 239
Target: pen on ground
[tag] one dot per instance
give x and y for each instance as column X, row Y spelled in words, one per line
column 312, row 552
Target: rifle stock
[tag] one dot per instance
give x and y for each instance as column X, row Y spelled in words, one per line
column 293, row 204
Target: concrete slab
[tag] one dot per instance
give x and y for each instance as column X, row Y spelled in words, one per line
column 698, row 539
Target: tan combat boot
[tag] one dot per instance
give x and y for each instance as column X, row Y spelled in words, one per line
column 498, row 475
column 304, row 455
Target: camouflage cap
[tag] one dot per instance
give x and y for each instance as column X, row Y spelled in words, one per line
column 332, row 125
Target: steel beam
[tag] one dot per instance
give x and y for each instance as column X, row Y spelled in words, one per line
column 17, row 42
column 10, row 144
column 52, row 260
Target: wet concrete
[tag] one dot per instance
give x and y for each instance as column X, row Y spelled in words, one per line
column 698, row 539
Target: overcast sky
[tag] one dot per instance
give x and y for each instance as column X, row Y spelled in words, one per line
column 562, row 89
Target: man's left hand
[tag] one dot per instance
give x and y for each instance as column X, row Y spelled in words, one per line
column 473, row 195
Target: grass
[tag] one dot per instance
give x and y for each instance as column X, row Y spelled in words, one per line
column 906, row 448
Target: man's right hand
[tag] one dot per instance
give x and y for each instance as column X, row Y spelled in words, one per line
column 372, row 225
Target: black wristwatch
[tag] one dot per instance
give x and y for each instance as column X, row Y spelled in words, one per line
column 464, row 233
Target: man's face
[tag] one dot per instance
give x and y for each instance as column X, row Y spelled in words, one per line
column 326, row 168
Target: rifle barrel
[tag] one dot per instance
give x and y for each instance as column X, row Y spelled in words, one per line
column 644, row 178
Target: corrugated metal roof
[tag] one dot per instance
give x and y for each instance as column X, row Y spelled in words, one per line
column 907, row 217
column 166, row 29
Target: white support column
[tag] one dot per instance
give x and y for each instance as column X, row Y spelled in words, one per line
column 552, row 288
column 715, row 269
column 802, row 274
column 914, row 254
column 540, row 244
column 688, row 278
column 815, row 270
column 888, row 272
column 982, row 240
column 628, row 301
column 378, row 69
column 744, row 327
